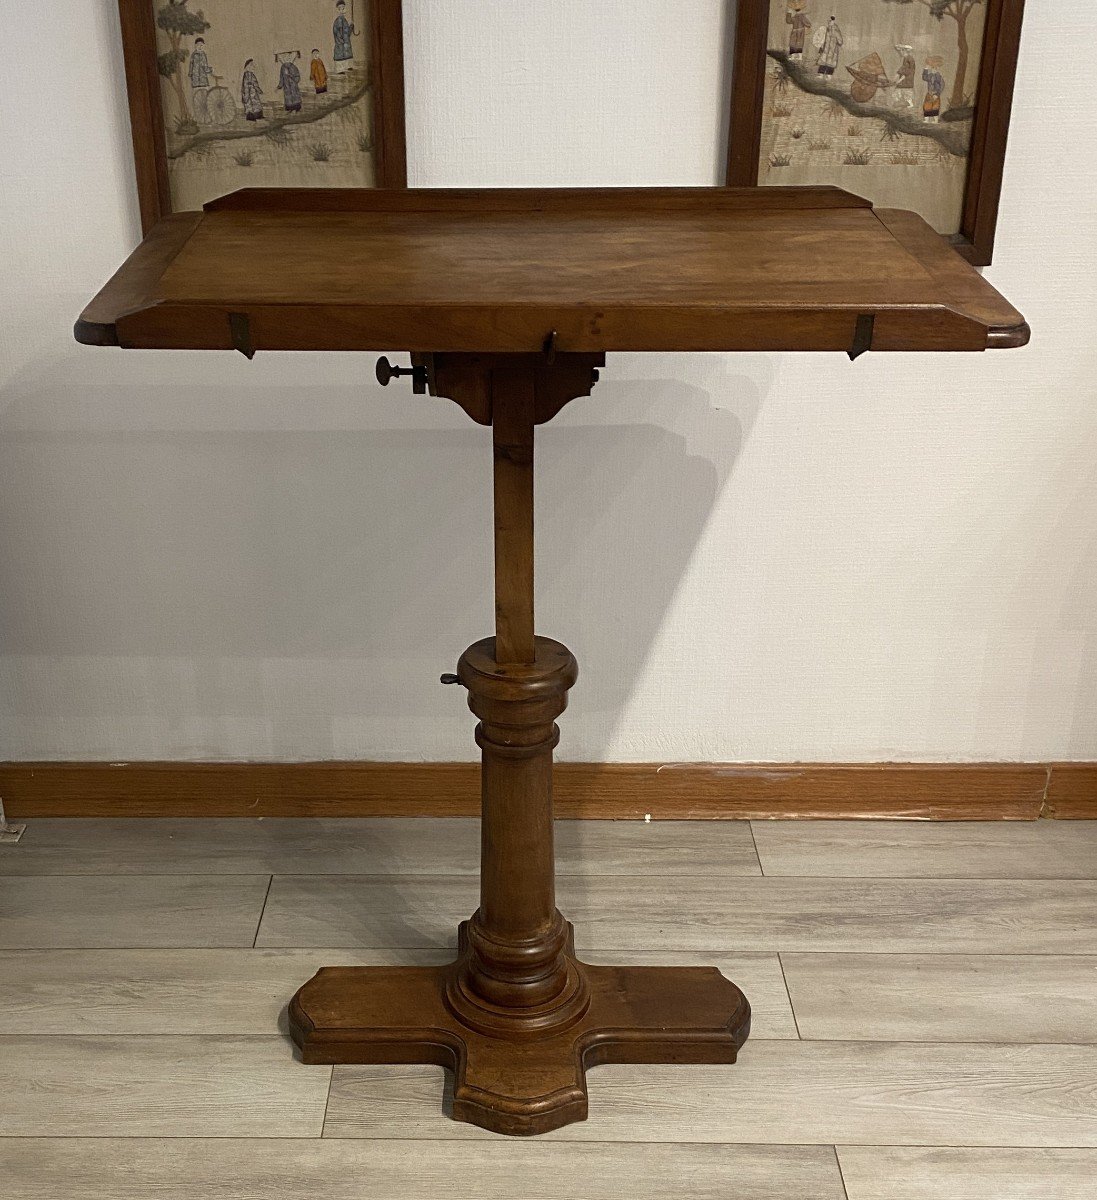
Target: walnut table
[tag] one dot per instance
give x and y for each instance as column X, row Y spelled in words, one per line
column 508, row 302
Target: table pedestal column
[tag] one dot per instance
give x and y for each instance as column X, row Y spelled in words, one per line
column 517, row 1017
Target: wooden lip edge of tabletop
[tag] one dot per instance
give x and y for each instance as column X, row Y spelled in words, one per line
column 132, row 288
column 544, row 200
column 607, row 791
column 520, row 329
column 934, row 253
column 439, row 328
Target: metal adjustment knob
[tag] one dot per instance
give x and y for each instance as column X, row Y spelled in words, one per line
column 386, row 372
column 450, row 679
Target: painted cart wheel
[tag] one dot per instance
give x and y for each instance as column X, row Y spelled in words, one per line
column 222, row 107
column 200, row 103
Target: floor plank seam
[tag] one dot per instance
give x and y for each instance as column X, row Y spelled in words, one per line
column 449, row 1141
column 262, row 913
column 757, row 852
column 594, row 877
column 758, row 1039
column 841, row 1173
column 253, row 874
column 733, row 951
column 327, row 1105
column 438, row 948
column 275, row 1033
column 788, row 993
column 562, row 1142
column 586, row 876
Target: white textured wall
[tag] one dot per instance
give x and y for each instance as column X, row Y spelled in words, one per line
column 755, row 557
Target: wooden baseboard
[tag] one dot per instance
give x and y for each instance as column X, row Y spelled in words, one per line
column 616, row 791
column 1072, row 792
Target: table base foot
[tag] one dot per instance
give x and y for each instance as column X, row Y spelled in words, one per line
column 529, row 1085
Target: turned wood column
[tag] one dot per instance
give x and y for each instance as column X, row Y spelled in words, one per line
column 515, row 972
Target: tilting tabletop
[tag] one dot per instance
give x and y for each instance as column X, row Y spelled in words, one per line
column 499, row 271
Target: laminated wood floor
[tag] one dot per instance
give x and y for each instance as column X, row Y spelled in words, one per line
column 925, row 1012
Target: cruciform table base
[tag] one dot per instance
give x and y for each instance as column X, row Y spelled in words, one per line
column 530, row 1084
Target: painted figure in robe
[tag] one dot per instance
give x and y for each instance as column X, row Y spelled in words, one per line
column 251, row 94
column 797, row 38
column 199, row 69
column 935, row 86
column 318, row 73
column 828, row 41
column 289, row 80
column 904, row 80
column 343, row 31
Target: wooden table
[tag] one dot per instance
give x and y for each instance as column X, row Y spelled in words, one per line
column 509, row 301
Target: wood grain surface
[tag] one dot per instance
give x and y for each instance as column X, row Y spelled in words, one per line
column 364, row 846
column 159, row 1071
column 158, row 1087
column 135, row 910
column 944, row 1173
column 785, row 1092
column 134, row 284
column 196, row 992
column 618, row 791
column 236, row 1169
column 1072, row 792
column 944, row 997
column 992, row 850
column 632, row 912
column 498, row 271
column 637, row 259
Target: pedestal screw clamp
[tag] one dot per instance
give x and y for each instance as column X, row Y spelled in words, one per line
column 386, row 373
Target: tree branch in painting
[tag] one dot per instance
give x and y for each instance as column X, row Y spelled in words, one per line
column 953, row 137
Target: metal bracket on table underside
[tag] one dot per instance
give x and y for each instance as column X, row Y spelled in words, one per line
column 862, row 336
column 240, row 331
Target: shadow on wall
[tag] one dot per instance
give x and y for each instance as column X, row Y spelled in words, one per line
column 233, row 550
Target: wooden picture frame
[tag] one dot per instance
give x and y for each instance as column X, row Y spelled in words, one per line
column 992, row 103
column 146, row 93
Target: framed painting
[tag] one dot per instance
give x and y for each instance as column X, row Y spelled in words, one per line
column 904, row 102
column 226, row 94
